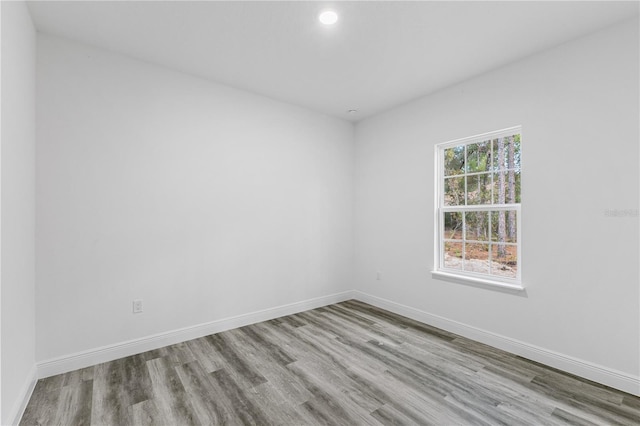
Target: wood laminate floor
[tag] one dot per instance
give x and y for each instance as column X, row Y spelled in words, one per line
column 344, row 364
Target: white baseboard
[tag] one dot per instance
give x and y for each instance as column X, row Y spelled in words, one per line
column 16, row 412
column 91, row 357
column 597, row 373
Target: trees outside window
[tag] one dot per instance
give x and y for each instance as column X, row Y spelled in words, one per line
column 478, row 189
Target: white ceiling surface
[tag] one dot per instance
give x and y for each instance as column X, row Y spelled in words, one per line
column 378, row 55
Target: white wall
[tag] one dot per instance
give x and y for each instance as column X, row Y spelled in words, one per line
column 18, row 207
column 578, row 107
column 204, row 201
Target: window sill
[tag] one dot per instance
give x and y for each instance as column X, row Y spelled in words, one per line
column 477, row 282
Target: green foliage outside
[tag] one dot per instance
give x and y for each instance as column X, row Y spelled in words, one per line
column 484, row 173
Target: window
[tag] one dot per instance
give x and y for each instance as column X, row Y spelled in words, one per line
column 478, row 194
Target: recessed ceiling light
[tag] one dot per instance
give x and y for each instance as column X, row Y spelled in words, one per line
column 328, row 17
column 352, row 111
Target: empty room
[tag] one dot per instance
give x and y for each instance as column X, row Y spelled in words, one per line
column 320, row 213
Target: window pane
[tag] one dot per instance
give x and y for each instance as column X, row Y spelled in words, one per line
column 513, row 153
column 480, row 237
column 454, row 191
column 506, row 153
column 509, row 181
column 504, row 226
column 477, row 226
column 478, row 157
column 500, row 188
column 504, row 260
column 476, row 257
column 453, row 226
column 453, row 255
column 454, row 161
column 479, row 189
column 497, row 146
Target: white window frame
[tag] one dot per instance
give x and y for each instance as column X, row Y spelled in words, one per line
column 460, row 275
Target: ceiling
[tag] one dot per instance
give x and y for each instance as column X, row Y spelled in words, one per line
column 377, row 56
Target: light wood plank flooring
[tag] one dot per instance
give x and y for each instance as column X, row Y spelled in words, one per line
column 344, row 364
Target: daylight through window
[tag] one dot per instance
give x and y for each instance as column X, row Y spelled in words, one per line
column 478, row 193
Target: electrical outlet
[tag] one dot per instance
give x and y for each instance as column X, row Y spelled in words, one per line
column 378, row 275
column 137, row 306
